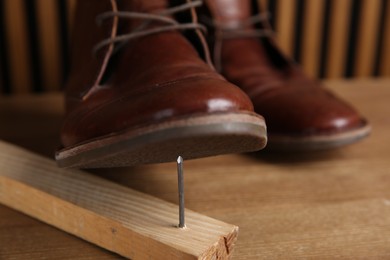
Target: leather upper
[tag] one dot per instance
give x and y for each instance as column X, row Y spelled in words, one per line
column 291, row 102
column 229, row 12
column 150, row 79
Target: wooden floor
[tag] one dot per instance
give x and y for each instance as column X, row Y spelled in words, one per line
column 297, row 206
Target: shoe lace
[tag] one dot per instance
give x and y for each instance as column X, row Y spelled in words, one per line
column 240, row 30
column 142, row 31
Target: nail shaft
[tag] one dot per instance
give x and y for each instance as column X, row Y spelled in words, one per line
column 181, row 191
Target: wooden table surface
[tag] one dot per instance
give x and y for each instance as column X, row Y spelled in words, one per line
column 318, row 205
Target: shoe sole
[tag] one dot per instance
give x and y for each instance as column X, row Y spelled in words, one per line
column 193, row 137
column 316, row 142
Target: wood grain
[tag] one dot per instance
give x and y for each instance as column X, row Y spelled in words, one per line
column 312, row 28
column 48, row 24
column 366, row 43
column 284, row 24
column 385, row 57
column 323, row 205
column 17, row 43
column 130, row 223
column 71, row 10
column 338, row 38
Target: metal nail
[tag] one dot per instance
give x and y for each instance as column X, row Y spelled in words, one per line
column 181, row 191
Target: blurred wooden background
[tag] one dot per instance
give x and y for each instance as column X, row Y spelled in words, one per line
column 330, row 38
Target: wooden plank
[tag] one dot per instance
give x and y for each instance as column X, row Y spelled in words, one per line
column 367, row 39
column 284, row 25
column 312, row 31
column 17, row 41
column 338, row 38
column 42, row 241
column 122, row 220
column 48, row 29
column 385, row 52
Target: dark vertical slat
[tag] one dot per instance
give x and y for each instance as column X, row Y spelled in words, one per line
column 63, row 34
column 352, row 38
column 1, row 78
column 381, row 33
column 299, row 30
column 6, row 84
column 32, row 30
column 325, row 39
column 272, row 5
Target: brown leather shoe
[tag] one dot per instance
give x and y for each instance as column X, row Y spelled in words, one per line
column 300, row 113
column 139, row 93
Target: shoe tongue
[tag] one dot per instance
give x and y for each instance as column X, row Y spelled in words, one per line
column 139, row 6
column 148, row 6
column 229, row 13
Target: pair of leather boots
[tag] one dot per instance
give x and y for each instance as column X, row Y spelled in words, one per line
column 143, row 87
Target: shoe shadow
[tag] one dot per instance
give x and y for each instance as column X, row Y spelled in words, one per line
column 158, row 180
column 302, row 157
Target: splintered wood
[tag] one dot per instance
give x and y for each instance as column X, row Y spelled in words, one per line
column 122, row 220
